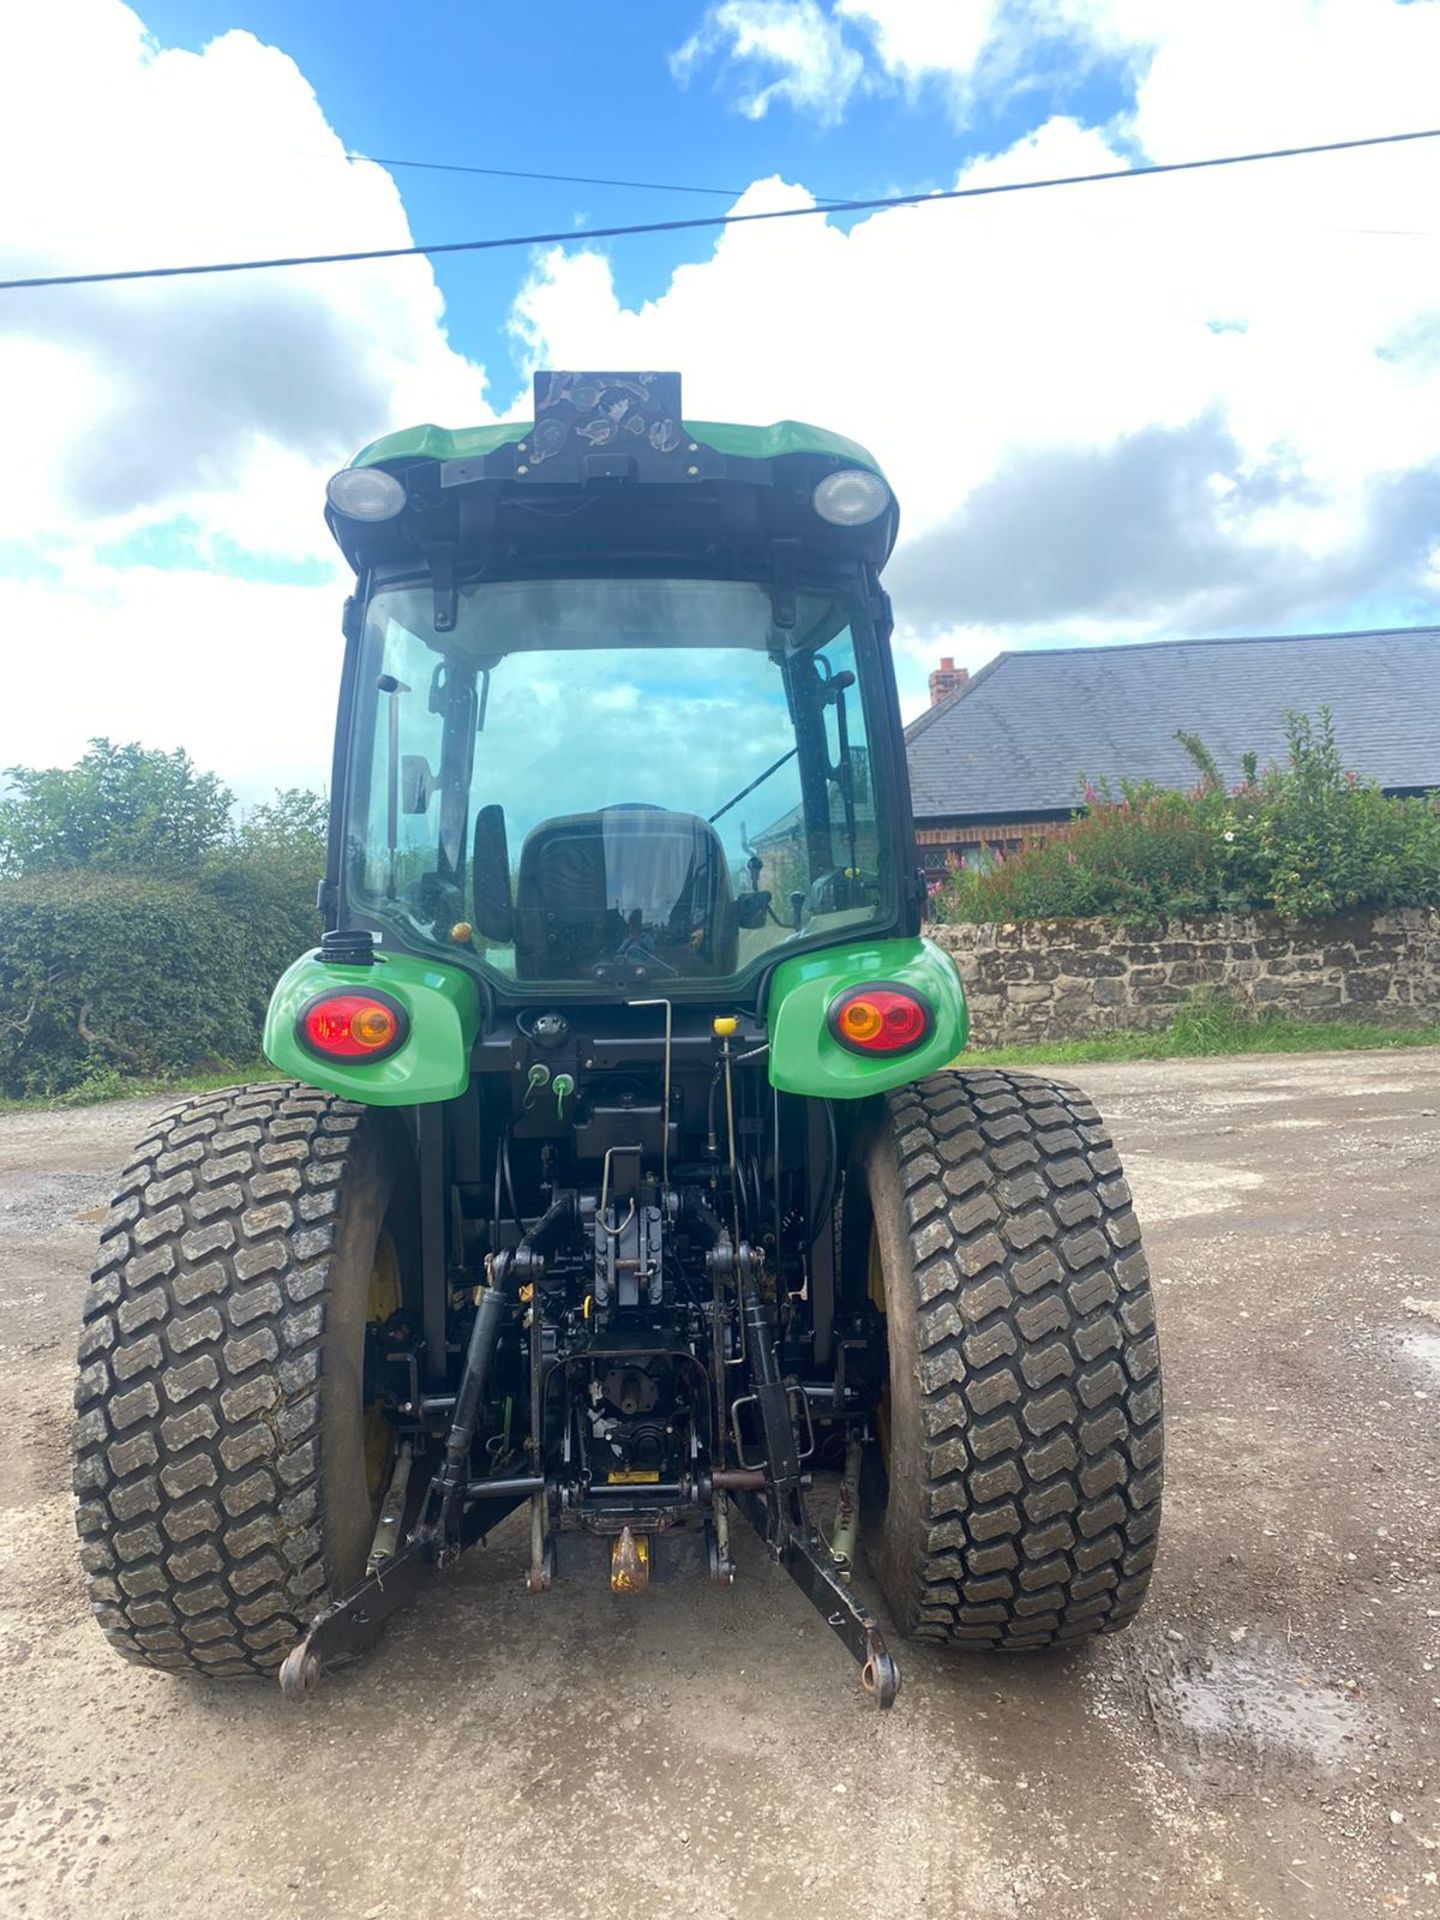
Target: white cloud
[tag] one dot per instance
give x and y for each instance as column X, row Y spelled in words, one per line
column 1223, row 75
column 823, row 60
column 818, row 71
column 1115, row 411
column 217, row 404
column 917, row 39
column 242, row 674
column 1208, row 74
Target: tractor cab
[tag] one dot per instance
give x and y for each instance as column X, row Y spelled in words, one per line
column 621, row 711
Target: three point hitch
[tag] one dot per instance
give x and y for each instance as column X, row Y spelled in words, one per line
column 455, row 1511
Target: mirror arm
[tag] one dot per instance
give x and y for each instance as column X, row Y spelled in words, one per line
column 784, row 557
column 442, row 576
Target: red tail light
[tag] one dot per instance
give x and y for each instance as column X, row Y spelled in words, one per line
column 880, row 1019
column 353, row 1026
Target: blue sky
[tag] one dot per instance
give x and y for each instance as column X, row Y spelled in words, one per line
column 1181, row 406
column 580, row 88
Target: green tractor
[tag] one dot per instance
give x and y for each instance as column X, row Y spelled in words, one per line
column 619, row 1172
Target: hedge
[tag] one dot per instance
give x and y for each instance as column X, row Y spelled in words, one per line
column 1307, row 840
column 105, row 975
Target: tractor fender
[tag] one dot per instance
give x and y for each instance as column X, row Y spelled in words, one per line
column 441, row 1003
column 805, row 1056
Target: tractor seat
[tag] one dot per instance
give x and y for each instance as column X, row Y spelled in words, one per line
column 631, row 891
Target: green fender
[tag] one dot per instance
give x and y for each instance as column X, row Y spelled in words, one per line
column 806, row 1058
column 434, row 1063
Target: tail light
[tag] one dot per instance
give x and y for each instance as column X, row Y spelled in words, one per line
column 880, row 1019
column 352, row 1026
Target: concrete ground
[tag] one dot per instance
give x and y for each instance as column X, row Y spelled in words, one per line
column 1265, row 1742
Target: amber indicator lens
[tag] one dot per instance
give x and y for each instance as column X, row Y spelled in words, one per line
column 861, row 1020
column 880, row 1020
column 352, row 1026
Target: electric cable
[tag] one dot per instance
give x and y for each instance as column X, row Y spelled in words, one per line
column 568, row 236
column 558, row 179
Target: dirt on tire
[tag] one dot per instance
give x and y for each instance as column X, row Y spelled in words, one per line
column 217, row 1429
column 1025, row 1406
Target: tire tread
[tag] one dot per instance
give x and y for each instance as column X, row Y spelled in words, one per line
column 196, row 1446
column 1037, row 1365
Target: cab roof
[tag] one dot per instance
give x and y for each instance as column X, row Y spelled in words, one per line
column 430, row 442
column 610, row 466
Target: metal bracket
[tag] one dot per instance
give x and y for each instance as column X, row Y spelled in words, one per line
column 782, row 1522
column 811, row 1566
column 348, row 1625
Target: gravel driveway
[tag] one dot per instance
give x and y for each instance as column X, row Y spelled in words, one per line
column 1265, row 1742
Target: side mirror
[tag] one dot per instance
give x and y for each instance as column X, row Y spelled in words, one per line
column 490, row 877
column 751, row 908
column 417, row 784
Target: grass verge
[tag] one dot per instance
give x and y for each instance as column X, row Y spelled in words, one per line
column 117, row 1086
column 1210, row 1029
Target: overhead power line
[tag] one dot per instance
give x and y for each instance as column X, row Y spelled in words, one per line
column 569, row 235
column 560, row 179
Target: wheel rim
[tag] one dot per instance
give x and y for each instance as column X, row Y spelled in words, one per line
column 382, row 1299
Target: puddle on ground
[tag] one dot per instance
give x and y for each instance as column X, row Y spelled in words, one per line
column 1246, row 1702
column 1226, row 1716
column 1423, row 1347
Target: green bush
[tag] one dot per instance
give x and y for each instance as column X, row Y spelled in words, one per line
column 142, row 925
column 105, row 974
column 1306, row 840
column 127, row 808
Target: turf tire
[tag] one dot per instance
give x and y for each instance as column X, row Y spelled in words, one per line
column 1024, row 1411
column 221, row 1494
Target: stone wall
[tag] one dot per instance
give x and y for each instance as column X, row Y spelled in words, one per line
column 1052, row 979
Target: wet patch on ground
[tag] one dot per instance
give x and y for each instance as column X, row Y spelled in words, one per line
column 1257, row 1709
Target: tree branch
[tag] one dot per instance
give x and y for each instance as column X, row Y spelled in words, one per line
column 8, row 1022
column 93, row 1039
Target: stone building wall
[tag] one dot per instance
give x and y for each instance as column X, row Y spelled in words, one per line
column 1055, row 979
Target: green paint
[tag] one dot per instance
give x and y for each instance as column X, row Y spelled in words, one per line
column 805, row 1058
column 433, row 1064
column 746, row 443
column 441, row 443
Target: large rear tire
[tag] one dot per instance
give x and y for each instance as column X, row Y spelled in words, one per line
column 1023, row 1421
column 220, row 1442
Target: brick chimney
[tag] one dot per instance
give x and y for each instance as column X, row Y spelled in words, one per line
column 945, row 679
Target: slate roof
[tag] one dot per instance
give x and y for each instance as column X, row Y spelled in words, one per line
column 1014, row 739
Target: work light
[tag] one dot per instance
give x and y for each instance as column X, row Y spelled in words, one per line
column 365, row 493
column 850, row 497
